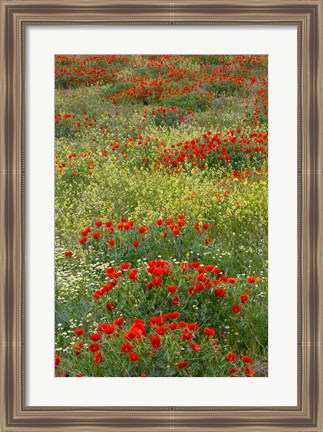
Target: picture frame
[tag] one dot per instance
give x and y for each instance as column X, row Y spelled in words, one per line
column 15, row 18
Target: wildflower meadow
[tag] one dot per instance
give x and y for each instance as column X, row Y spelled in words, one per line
column 161, row 216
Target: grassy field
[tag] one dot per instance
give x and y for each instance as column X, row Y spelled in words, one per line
column 161, row 208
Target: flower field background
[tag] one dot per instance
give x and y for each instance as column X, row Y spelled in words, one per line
column 161, row 212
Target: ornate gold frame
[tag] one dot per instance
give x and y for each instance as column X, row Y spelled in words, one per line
column 307, row 15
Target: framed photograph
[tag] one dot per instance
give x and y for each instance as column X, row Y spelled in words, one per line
column 161, row 205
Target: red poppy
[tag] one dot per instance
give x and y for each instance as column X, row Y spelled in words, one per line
column 209, row 332
column 83, row 240
column 182, row 324
column 97, row 235
column 125, row 266
column 236, row 308
column 202, row 278
column 172, row 288
column 160, row 330
column 186, row 336
column 98, row 223
column 79, row 332
column 95, row 337
column 220, row 292
column 68, row 253
column 133, row 356
column 174, row 301
column 142, row 230
column 111, row 242
column 106, row 288
column 130, row 335
column 156, row 271
column 246, row 359
column 138, row 321
column 182, row 365
column 191, row 290
column 231, row 357
column 110, row 271
column 251, row 279
column 118, row 321
column 156, row 281
column 98, row 358
column 155, row 342
column 109, row 329
column 139, row 330
column 94, row 347
column 249, row 372
column 232, row 372
column 172, row 326
column 77, row 347
column 109, row 306
column 185, row 266
column 195, row 347
column 193, row 327
column 126, row 347
column 136, row 243
column 244, row 298
column 86, row 231
column 108, row 224
column 57, row 360
column 209, row 268
column 133, row 274
column 233, row 280
column 173, row 315
column 205, row 226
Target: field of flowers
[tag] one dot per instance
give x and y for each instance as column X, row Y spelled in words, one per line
column 161, row 213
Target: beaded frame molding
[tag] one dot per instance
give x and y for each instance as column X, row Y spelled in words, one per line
column 16, row 16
